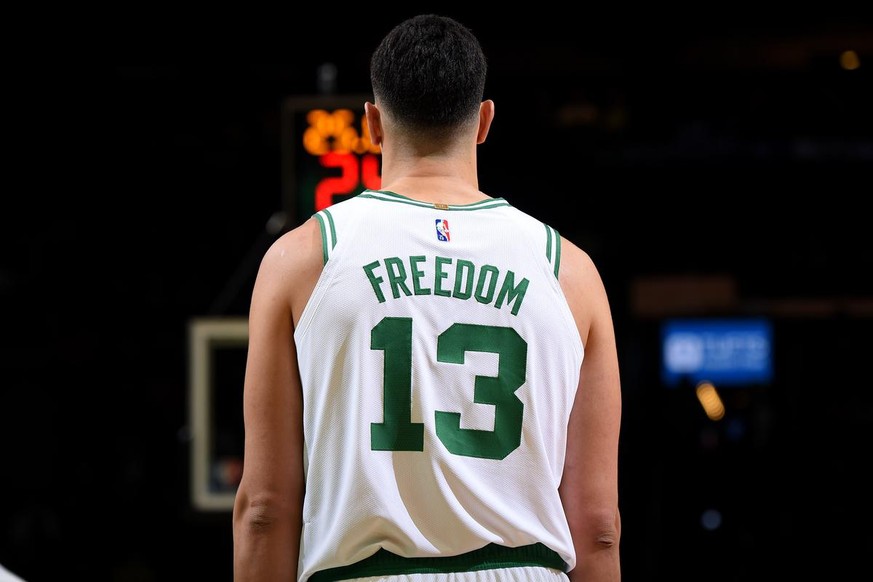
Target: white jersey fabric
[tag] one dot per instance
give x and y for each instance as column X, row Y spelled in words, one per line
column 439, row 361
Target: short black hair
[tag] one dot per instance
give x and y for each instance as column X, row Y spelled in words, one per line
column 429, row 71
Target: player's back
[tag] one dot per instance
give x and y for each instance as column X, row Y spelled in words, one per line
column 439, row 362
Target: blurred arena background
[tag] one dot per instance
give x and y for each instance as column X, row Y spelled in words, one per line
column 718, row 173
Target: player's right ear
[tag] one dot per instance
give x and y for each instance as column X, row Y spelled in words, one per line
column 374, row 122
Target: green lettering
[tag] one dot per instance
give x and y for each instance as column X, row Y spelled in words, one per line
column 397, row 277
column 417, row 274
column 487, row 276
column 375, row 280
column 440, row 274
column 464, row 273
column 509, row 292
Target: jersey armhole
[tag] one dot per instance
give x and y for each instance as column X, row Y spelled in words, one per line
column 553, row 249
column 328, row 234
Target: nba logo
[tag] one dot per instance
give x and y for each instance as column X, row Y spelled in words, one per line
column 442, row 230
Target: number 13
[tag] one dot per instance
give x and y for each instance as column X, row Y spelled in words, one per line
column 397, row 432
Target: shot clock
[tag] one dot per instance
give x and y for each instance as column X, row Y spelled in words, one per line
column 327, row 155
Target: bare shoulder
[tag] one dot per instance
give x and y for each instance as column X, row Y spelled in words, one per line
column 583, row 287
column 296, row 247
column 292, row 264
column 579, row 276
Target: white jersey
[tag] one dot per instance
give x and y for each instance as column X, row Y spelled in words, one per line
column 439, row 361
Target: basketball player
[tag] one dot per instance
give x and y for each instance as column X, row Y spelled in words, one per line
column 416, row 403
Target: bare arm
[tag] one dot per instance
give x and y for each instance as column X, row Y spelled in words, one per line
column 589, row 488
column 267, row 513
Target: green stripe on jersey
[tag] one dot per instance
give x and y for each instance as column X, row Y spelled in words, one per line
column 389, row 196
column 328, row 234
column 553, row 249
column 384, row 563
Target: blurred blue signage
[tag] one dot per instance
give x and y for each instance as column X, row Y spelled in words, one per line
column 723, row 351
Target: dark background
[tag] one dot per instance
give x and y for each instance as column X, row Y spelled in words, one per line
column 731, row 151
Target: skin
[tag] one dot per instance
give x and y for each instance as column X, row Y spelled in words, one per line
column 268, row 507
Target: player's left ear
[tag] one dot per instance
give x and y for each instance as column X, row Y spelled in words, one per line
column 374, row 122
column 486, row 116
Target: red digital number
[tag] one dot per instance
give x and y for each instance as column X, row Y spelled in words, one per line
column 352, row 173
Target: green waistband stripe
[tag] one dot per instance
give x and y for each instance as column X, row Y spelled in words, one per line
column 384, row 563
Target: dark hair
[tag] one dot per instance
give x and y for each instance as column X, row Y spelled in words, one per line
column 429, row 71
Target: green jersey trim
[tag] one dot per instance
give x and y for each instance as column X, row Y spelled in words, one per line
column 385, row 563
column 553, row 249
column 389, row 196
column 328, row 234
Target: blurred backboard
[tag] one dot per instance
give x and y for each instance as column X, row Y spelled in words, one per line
column 217, row 351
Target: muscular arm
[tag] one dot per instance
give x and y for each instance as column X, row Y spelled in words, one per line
column 589, row 488
column 267, row 513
